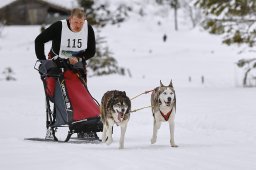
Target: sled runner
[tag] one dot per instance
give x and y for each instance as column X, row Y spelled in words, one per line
column 68, row 101
column 75, row 141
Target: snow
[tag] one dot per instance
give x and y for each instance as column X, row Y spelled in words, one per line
column 64, row 3
column 5, row 2
column 215, row 121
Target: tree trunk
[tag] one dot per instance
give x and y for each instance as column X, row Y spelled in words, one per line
column 245, row 77
column 175, row 14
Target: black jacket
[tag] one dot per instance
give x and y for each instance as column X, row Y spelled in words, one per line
column 53, row 33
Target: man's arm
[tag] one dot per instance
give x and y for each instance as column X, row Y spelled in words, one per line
column 91, row 45
column 47, row 35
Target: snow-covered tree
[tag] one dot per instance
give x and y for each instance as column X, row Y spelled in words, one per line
column 233, row 18
column 104, row 62
column 248, row 66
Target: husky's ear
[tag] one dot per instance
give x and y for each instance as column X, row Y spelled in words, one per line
column 161, row 84
column 123, row 93
column 170, row 85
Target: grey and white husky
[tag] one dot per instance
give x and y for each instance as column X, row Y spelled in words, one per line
column 163, row 103
column 115, row 109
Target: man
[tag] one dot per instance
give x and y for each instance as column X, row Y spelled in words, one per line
column 72, row 39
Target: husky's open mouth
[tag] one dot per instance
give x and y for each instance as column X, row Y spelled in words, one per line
column 168, row 103
column 120, row 116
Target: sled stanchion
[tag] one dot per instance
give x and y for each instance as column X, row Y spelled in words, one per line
column 53, row 134
column 70, row 133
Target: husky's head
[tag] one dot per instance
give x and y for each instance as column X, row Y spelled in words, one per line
column 121, row 106
column 165, row 95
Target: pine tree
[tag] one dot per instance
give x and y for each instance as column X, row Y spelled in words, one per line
column 103, row 63
column 90, row 13
column 233, row 18
column 248, row 65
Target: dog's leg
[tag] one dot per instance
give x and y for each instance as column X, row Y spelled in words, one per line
column 104, row 133
column 109, row 132
column 121, row 141
column 109, row 135
column 156, row 125
column 172, row 126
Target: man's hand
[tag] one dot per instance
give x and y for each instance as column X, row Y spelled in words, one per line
column 73, row 60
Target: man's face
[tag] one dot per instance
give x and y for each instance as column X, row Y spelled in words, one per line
column 76, row 24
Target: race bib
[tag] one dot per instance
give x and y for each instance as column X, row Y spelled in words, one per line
column 73, row 43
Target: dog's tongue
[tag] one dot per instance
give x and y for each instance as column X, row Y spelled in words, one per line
column 120, row 116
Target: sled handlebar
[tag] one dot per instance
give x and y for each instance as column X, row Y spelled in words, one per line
column 50, row 68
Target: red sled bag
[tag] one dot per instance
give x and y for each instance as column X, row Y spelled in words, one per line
column 82, row 103
column 68, row 91
column 68, row 101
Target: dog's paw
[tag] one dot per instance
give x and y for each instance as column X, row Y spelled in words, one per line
column 109, row 141
column 104, row 139
column 121, row 147
column 174, row 145
column 153, row 140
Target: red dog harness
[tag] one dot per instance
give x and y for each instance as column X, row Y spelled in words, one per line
column 166, row 117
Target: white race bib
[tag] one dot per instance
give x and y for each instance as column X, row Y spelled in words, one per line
column 72, row 43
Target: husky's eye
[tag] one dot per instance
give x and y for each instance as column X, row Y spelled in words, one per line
column 165, row 93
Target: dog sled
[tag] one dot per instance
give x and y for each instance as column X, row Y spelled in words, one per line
column 68, row 101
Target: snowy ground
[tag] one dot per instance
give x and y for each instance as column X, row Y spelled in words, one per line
column 215, row 121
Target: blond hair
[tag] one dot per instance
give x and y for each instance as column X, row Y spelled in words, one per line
column 78, row 12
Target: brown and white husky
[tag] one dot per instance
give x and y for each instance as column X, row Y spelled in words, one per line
column 163, row 103
column 115, row 109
